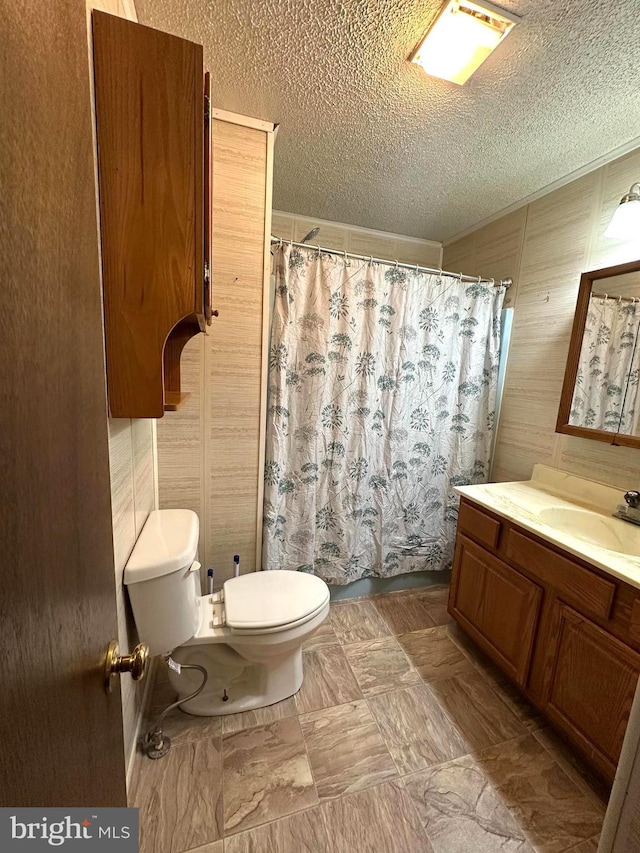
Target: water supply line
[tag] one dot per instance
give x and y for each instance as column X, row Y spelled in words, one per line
column 156, row 744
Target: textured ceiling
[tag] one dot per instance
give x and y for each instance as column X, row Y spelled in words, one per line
column 367, row 138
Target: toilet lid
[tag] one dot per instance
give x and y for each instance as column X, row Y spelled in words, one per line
column 273, row 598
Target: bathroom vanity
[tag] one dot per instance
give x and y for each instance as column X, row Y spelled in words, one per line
column 547, row 583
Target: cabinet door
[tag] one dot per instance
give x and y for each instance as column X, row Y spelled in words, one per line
column 208, row 201
column 150, row 126
column 497, row 606
column 590, row 686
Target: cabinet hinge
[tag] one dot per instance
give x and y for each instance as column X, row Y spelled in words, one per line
column 207, row 273
column 207, row 107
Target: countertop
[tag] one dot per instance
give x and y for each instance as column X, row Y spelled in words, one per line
column 550, row 490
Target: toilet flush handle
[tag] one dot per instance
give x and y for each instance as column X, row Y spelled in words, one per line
column 136, row 663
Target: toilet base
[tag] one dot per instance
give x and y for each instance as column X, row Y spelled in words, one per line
column 246, row 684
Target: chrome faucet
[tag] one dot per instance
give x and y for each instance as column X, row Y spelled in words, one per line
column 630, row 509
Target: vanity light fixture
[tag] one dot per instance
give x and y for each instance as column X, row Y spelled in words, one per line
column 625, row 222
column 462, row 37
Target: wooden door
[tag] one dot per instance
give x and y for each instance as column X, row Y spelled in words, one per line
column 590, row 685
column 497, row 606
column 61, row 735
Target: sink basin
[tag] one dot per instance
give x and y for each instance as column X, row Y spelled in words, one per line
column 610, row 533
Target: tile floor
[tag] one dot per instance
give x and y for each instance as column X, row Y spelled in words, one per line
column 403, row 738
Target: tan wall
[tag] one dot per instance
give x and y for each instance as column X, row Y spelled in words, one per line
column 131, row 451
column 210, row 452
column 131, row 461
column 545, row 246
column 361, row 241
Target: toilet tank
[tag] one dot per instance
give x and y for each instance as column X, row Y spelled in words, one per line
column 163, row 579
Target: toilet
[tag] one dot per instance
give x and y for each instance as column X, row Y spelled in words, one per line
column 248, row 636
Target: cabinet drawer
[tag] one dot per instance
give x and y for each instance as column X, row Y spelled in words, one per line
column 478, row 525
column 497, row 606
column 572, row 581
column 591, row 685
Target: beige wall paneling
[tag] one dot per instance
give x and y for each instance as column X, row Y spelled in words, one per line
column 331, row 236
column 371, row 244
column 266, row 335
column 554, row 253
column 361, row 241
column 619, row 466
column 132, row 498
column 233, row 363
column 121, row 8
column 181, row 444
column 461, row 255
column 426, row 254
column 561, row 236
column 143, row 470
column 282, row 225
column 211, row 452
column 622, row 285
column 494, row 251
column 242, row 120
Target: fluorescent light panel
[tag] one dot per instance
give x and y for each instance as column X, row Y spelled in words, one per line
column 461, row 38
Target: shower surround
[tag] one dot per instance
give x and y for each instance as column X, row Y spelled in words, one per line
column 382, row 390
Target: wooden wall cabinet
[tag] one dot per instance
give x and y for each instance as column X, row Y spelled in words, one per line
column 153, row 167
column 566, row 633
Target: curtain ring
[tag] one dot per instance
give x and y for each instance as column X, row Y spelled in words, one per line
column 606, row 296
column 460, row 277
column 493, row 282
column 280, row 243
column 370, row 259
column 344, row 256
column 417, row 269
column 396, row 266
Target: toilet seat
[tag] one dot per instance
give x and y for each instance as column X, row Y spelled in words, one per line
column 247, row 632
column 272, row 601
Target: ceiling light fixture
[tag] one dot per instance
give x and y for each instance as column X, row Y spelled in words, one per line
column 462, row 37
column 625, row 222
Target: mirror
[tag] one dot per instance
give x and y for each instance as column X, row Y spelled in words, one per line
column 601, row 391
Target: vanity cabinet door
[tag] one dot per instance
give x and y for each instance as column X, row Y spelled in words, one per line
column 590, row 685
column 497, row 606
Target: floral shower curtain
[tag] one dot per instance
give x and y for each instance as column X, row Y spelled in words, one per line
column 382, row 389
column 606, row 390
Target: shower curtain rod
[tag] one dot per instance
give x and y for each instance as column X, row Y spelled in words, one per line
column 505, row 282
column 615, row 298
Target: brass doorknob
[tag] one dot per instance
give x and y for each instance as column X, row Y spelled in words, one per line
column 136, row 663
